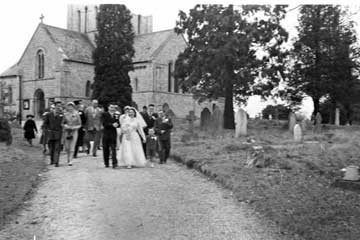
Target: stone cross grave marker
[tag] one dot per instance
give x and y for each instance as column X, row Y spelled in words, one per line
column 240, row 123
column 298, row 135
column 292, row 121
column 205, row 119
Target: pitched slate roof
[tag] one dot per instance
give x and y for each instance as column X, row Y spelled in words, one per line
column 147, row 45
column 76, row 46
column 11, row 71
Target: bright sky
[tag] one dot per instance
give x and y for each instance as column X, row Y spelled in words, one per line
column 18, row 21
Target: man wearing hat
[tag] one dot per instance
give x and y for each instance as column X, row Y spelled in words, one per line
column 30, row 128
column 53, row 124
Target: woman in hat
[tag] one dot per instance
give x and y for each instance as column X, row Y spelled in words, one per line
column 71, row 124
column 30, row 129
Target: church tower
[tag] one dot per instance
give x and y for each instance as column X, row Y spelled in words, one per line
column 82, row 18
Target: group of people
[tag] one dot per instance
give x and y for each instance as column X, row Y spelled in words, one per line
column 130, row 139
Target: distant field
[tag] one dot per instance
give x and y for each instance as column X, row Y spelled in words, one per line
column 294, row 190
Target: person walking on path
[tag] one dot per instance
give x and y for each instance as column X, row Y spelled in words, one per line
column 163, row 126
column 44, row 134
column 93, row 126
column 151, row 145
column 53, row 124
column 71, row 124
column 81, row 131
column 30, row 129
column 131, row 153
column 110, row 122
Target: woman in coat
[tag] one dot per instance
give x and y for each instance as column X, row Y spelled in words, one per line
column 71, row 124
column 30, row 129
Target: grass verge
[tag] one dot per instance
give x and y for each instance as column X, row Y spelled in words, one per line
column 20, row 166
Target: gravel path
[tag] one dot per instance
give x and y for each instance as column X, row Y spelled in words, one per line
column 88, row 201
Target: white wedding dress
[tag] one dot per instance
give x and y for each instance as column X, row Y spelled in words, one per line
column 131, row 151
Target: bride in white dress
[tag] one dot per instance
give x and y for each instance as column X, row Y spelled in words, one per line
column 131, row 153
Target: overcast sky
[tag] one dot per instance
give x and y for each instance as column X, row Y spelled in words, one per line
column 18, row 19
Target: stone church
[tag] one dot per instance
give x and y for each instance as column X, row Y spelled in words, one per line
column 57, row 65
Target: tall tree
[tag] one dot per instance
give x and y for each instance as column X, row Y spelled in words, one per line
column 113, row 55
column 222, row 60
column 323, row 55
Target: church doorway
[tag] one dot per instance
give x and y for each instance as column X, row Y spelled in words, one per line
column 39, row 103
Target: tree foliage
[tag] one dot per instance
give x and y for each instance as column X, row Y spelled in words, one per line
column 222, row 60
column 279, row 112
column 113, row 55
column 324, row 56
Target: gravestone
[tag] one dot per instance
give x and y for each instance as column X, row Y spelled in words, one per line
column 298, row 136
column 205, row 119
column 217, row 120
column 318, row 121
column 292, row 121
column 337, row 116
column 240, row 123
column 191, row 119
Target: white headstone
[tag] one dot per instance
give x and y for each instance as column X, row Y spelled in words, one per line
column 297, row 133
column 337, row 116
column 240, row 123
column 292, row 121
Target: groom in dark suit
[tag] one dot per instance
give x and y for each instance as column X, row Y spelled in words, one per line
column 163, row 126
column 110, row 122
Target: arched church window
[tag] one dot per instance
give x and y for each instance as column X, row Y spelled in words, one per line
column 88, row 89
column 40, row 58
column 169, row 76
column 10, row 95
column 136, row 80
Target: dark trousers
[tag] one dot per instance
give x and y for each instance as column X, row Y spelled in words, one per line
column 164, row 150
column 94, row 135
column 109, row 145
column 80, row 141
column 54, row 149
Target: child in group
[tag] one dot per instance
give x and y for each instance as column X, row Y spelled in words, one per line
column 30, row 129
column 151, row 145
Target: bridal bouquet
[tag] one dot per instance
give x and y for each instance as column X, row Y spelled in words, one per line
column 126, row 130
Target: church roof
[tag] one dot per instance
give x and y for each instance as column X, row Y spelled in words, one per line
column 76, row 46
column 148, row 45
column 11, row 71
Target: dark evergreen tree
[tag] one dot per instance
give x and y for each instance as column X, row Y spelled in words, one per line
column 324, row 57
column 113, row 55
column 221, row 57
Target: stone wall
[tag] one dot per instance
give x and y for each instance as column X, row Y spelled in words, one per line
column 74, row 80
column 144, row 74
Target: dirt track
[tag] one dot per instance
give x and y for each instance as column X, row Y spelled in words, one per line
column 88, row 201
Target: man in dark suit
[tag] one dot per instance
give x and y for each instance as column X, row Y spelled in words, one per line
column 163, row 126
column 53, row 124
column 152, row 116
column 110, row 122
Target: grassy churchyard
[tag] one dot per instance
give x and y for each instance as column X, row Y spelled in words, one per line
column 20, row 171
column 294, row 189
